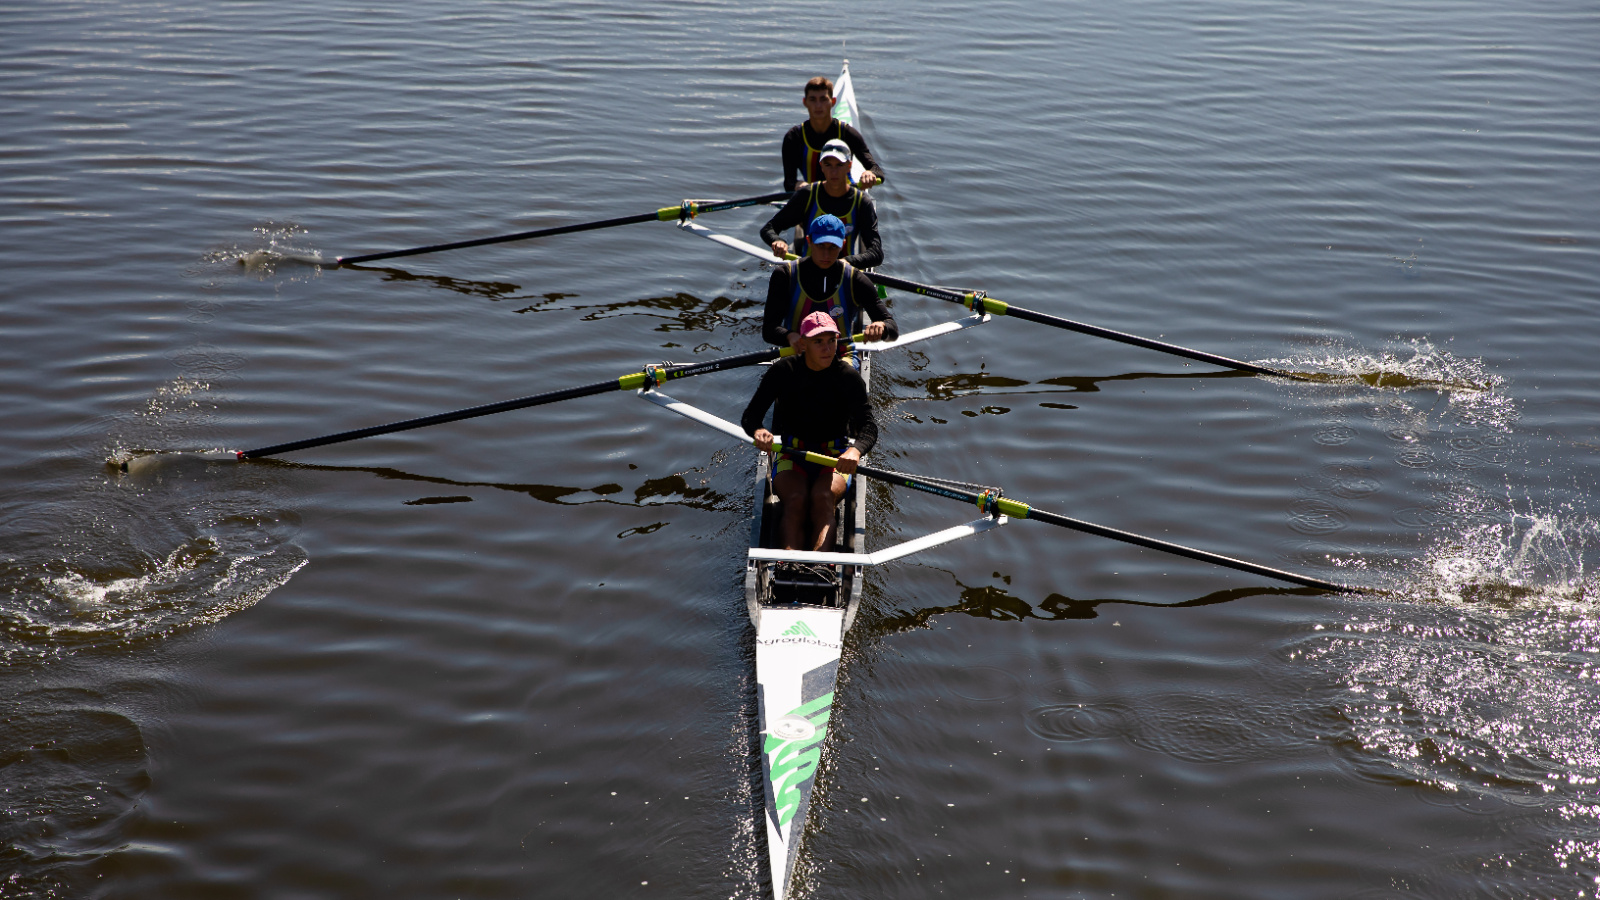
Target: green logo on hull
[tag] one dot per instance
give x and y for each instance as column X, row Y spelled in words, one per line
column 799, row 629
column 793, row 763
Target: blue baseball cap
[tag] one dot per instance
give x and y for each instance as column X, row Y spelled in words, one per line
column 826, row 229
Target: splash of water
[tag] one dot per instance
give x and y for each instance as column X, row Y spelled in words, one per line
column 91, row 599
column 1528, row 561
column 1506, row 553
column 276, row 251
column 91, row 556
column 1410, row 365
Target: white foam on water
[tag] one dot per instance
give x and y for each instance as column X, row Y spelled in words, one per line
column 96, row 556
column 200, row 582
column 1411, row 364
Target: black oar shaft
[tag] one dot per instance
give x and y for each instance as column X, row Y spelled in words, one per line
column 500, row 239
column 1024, row 511
column 667, row 213
column 1020, row 510
column 997, row 307
column 627, row 382
column 1018, row 312
column 1218, row 559
column 487, row 409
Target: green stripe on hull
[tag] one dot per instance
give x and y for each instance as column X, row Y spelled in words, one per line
column 793, row 763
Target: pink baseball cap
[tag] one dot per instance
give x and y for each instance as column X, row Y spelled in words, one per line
column 817, row 323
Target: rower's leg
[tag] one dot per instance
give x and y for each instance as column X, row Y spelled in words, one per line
column 826, row 492
column 790, row 486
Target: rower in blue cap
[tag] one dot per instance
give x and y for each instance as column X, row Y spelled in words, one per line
column 823, row 282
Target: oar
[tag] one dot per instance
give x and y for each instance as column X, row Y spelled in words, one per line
column 992, row 503
column 687, row 210
column 978, row 302
column 652, row 376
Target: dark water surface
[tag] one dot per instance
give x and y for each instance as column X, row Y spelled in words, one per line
column 509, row 657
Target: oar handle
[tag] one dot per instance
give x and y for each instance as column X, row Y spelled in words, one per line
column 859, row 337
column 821, row 459
column 688, row 209
column 978, row 302
column 691, row 208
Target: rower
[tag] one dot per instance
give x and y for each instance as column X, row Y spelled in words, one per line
column 821, row 403
column 822, row 282
column 802, row 145
column 835, row 196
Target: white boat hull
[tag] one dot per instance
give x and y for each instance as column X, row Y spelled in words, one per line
column 797, row 650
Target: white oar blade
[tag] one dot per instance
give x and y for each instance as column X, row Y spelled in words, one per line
column 169, row 460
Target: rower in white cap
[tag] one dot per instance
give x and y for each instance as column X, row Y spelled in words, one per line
column 835, row 196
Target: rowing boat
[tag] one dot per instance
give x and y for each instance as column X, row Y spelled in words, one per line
column 801, row 612
column 801, row 605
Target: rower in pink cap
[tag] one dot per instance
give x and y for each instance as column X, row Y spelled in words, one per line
column 819, row 403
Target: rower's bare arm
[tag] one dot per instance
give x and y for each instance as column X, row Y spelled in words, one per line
column 847, row 461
